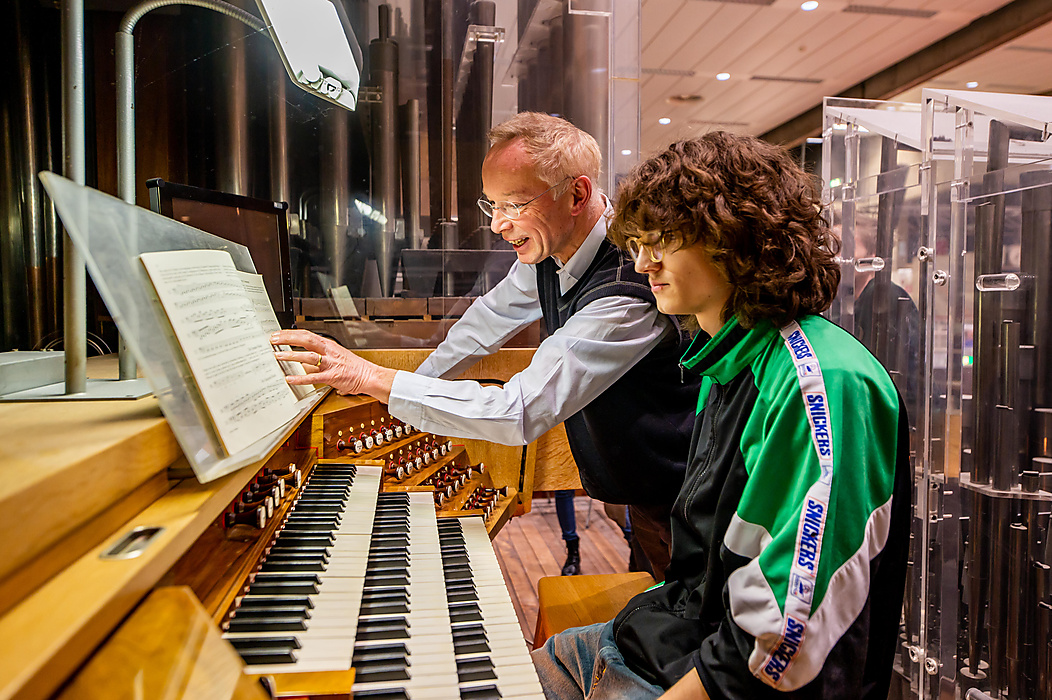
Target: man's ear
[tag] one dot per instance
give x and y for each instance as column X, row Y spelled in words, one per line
column 581, row 191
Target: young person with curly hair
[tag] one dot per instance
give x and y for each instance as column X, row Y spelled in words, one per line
column 790, row 532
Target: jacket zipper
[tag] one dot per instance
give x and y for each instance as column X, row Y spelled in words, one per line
column 711, row 443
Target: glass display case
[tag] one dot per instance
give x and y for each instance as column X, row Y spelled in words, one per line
column 993, row 454
column 945, row 214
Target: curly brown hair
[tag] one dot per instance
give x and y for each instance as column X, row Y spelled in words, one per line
column 756, row 212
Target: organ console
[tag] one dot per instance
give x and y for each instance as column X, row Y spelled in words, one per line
column 355, row 558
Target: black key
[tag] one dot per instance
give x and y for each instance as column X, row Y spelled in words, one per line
column 482, row 692
column 278, row 587
column 321, row 507
column 382, row 628
column 264, row 643
column 295, row 554
column 386, row 580
column 479, row 668
column 461, row 594
column 308, row 527
column 302, row 578
column 379, row 673
column 276, row 565
column 243, row 613
column 383, row 694
column 464, row 612
column 386, row 566
column 276, row 601
column 253, row 657
column 388, row 558
column 383, row 607
column 293, row 540
column 457, row 571
column 267, row 624
column 379, row 652
column 471, row 645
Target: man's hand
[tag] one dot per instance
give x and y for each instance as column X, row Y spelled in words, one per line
column 688, row 687
column 327, row 362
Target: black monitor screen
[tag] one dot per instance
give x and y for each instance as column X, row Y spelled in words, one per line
column 259, row 225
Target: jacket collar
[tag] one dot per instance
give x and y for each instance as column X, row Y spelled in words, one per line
column 730, row 351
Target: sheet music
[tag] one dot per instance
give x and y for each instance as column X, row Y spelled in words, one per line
column 256, row 292
column 224, row 343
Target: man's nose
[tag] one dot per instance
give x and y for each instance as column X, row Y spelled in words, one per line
column 499, row 222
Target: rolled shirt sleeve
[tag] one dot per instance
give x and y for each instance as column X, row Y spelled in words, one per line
column 570, row 368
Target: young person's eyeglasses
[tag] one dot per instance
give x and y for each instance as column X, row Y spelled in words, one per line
column 656, row 244
column 513, row 210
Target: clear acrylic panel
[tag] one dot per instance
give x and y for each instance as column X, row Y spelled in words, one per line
column 111, row 234
column 987, row 502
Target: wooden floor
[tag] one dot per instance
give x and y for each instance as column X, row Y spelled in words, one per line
column 531, row 546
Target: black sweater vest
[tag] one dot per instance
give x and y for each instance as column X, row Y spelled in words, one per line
column 631, row 442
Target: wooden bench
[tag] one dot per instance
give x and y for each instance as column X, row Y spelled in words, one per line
column 574, row 601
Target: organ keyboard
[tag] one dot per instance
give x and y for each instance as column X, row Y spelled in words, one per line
column 375, row 581
column 253, row 543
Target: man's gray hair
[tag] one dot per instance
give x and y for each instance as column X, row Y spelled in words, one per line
column 557, row 147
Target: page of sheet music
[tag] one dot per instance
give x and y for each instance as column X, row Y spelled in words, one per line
column 256, row 291
column 224, row 343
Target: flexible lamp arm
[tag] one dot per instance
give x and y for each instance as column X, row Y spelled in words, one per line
column 125, row 83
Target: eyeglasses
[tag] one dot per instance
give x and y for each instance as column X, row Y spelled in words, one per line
column 656, row 244
column 512, row 210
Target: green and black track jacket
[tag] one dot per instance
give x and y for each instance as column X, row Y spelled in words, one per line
column 790, row 533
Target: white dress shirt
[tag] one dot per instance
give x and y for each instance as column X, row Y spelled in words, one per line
column 570, row 368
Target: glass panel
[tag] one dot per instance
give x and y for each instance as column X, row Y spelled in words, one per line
column 387, row 245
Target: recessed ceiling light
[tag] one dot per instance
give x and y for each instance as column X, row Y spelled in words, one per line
column 626, row 151
column 971, row 84
column 664, row 120
column 723, row 76
column 809, row 5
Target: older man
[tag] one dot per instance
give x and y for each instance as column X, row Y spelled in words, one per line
column 608, row 366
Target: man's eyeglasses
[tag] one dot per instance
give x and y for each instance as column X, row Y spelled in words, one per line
column 513, row 210
column 656, row 244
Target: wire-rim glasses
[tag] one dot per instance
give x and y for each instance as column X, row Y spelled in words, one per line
column 513, row 210
column 654, row 243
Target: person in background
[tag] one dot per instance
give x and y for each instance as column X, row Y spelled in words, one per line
column 607, row 346
column 564, row 511
column 791, row 531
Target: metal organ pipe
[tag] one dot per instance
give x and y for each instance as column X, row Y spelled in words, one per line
column 586, row 72
column 231, row 90
column 334, row 200
column 473, row 123
column 383, row 70
column 32, row 222
column 409, row 121
column 279, row 138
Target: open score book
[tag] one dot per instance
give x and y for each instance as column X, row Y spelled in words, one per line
column 222, row 320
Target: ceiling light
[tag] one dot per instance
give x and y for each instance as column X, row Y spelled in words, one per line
column 971, row 84
column 626, row 151
column 664, row 120
column 809, row 5
column 723, row 76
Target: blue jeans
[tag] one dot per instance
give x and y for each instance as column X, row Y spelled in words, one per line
column 565, row 512
column 584, row 662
